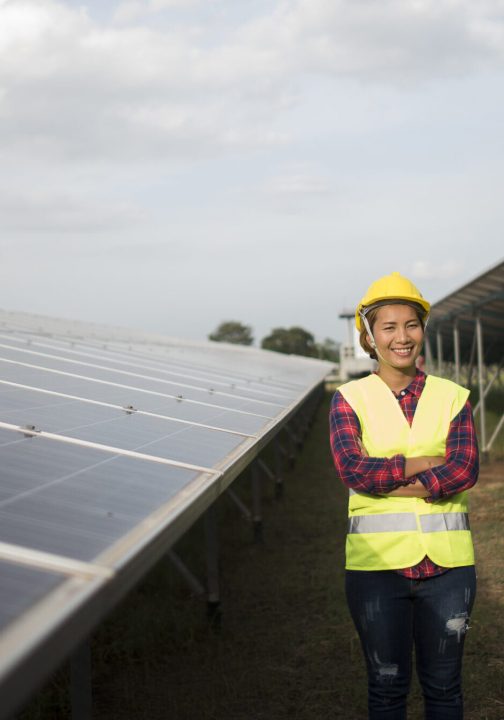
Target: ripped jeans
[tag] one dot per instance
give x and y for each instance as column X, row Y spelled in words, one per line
column 392, row 613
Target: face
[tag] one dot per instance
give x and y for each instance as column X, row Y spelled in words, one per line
column 398, row 334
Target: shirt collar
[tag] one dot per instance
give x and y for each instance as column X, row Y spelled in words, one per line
column 417, row 385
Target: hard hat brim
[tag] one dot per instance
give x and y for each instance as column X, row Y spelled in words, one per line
column 398, row 300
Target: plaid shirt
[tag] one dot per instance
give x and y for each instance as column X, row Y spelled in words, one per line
column 381, row 475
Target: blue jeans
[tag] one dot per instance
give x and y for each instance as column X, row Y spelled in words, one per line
column 391, row 613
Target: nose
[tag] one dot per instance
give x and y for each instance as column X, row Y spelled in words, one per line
column 402, row 335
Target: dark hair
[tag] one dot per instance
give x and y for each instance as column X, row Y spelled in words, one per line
column 371, row 318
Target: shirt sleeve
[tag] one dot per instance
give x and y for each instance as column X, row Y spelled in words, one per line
column 461, row 469
column 357, row 471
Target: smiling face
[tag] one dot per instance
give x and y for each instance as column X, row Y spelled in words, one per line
column 398, row 334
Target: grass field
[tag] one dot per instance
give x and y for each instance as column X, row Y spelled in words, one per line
column 286, row 647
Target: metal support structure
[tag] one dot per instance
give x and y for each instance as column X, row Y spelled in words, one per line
column 212, row 564
column 279, row 483
column 497, row 430
column 303, row 419
column 269, row 473
column 282, row 448
column 291, row 443
column 81, row 696
column 479, row 342
column 488, row 387
column 184, row 571
column 428, row 354
column 256, row 502
column 471, row 361
column 456, row 351
column 439, row 348
column 239, row 504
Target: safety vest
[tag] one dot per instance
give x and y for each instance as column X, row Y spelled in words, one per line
column 388, row 533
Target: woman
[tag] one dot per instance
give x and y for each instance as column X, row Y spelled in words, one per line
column 405, row 446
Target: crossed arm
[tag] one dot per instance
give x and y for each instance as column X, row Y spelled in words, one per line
column 428, row 477
column 414, row 466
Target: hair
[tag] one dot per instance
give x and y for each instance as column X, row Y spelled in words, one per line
column 371, row 318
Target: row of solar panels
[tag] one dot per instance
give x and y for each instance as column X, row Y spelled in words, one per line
column 111, row 444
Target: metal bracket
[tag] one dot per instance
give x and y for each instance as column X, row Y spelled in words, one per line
column 184, row 571
column 239, row 504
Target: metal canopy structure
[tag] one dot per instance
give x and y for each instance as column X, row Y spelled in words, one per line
column 467, row 327
column 112, row 443
column 483, row 297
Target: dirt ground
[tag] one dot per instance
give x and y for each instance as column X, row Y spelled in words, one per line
column 286, row 646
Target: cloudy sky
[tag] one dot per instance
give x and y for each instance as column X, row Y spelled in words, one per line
column 169, row 164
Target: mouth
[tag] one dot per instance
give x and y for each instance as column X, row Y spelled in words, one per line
column 402, row 352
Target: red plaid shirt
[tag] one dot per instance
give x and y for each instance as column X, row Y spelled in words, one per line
column 381, row 475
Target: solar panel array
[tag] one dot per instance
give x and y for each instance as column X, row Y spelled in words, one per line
column 110, row 442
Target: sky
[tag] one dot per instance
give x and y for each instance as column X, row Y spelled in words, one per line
column 170, row 164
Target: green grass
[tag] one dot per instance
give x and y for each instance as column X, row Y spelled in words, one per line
column 287, row 647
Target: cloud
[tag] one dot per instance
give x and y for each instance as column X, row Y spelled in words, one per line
column 74, row 89
column 132, row 10
column 53, row 210
column 430, row 270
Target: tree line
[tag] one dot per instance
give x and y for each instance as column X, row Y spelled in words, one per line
column 290, row 341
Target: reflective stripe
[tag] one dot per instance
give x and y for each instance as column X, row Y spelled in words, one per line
column 386, row 522
column 438, row 522
column 404, row 522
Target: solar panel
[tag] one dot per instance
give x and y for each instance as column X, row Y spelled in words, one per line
column 75, row 501
column 111, row 444
column 21, row 587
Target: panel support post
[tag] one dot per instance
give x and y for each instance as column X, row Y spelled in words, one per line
column 428, row 355
column 439, row 347
column 291, row 446
column 256, row 502
column 471, row 360
column 481, row 386
column 212, row 563
column 81, row 696
column 279, row 483
column 456, row 351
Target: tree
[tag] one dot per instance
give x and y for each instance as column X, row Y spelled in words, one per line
column 291, row 341
column 328, row 350
column 232, row 331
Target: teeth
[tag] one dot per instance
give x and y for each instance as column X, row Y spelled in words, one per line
column 403, row 352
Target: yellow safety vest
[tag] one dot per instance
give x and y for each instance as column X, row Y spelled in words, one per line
column 388, row 533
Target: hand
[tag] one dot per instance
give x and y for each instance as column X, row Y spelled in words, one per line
column 416, row 489
column 416, row 465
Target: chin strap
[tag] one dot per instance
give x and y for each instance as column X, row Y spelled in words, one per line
column 371, row 337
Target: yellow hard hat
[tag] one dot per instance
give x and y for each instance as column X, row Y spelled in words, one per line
column 390, row 287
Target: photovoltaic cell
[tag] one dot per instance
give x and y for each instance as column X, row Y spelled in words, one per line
column 21, row 587
column 108, row 426
column 36, row 354
column 163, row 385
column 127, row 396
column 76, row 501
